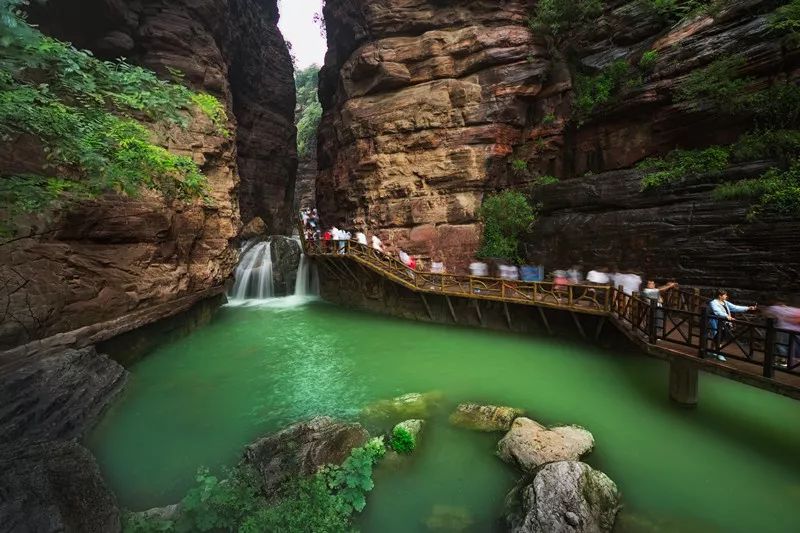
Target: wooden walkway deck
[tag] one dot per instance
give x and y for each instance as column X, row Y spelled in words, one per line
column 678, row 331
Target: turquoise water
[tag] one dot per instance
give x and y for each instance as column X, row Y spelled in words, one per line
column 732, row 464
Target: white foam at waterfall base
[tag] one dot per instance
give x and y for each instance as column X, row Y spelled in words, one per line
column 254, row 286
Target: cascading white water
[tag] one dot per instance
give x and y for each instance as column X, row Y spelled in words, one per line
column 301, row 285
column 254, row 274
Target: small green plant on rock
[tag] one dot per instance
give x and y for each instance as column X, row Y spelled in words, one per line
column 402, row 441
column 786, row 19
column 549, row 119
column 594, row 91
column 519, row 165
column 648, row 60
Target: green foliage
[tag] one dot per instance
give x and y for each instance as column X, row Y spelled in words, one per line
column 718, row 83
column 592, row 92
column 214, row 110
column 353, row 479
column 309, row 110
column 402, row 441
column 83, row 113
column 648, row 60
column 543, row 181
column 777, row 191
column 548, row 119
column 323, row 502
column 679, row 164
column 308, row 505
column 777, row 107
column 519, row 165
column 505, row 217
column 782, row 145
column 675, row 10
column 557, row 17
column 786, row 19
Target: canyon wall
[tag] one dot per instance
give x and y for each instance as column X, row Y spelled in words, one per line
column 119, row 256
column 427, row 104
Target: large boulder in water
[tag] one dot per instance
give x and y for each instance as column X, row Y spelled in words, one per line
column 286, row 255
column 529, row 444
column 301, row 449
column 564, row 496
column 484, row 417
column 54, row 486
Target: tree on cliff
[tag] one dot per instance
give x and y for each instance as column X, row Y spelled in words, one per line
column 309, row 110
column 505, row 216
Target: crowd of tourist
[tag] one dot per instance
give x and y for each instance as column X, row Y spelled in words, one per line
column 720, row 311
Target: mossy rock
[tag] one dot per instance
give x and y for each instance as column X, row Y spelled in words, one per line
column 484, row 417
column 449, row 518
column 413, row 405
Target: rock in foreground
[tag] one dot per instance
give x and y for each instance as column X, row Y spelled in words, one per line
column 529, row 444
column 54, row 486
column 301, row 449
column 484, row 417
column 565, row 496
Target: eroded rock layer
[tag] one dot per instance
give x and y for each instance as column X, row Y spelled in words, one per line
column 427, row 104
column 116, row 256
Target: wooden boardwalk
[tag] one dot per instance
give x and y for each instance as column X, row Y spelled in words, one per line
column 677, row 331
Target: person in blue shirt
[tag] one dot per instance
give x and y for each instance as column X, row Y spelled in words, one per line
column 720, row 316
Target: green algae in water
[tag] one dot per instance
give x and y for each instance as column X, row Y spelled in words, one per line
column 732, row 464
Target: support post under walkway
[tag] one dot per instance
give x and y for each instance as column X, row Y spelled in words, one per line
column 683, row 382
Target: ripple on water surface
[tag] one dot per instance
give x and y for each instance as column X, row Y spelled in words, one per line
column 729, row 465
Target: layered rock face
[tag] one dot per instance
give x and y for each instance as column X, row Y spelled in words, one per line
column 421, row 99
column 427, row 103
column 117, row 255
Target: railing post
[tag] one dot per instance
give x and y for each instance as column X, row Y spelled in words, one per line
column 701, row 351
column 471, row 289
column 653, row 323
column 769, row 349
column 697, row 299
column 569, row 295
column 502, row 289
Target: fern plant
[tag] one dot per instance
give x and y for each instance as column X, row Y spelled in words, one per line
column 402, row 441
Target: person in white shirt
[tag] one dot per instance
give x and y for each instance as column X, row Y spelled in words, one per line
column 599, row 277
column 361, row 238
column 376, row 243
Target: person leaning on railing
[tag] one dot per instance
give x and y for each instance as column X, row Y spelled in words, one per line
column 720, row 318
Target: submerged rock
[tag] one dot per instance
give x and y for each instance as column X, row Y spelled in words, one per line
column 407, row 406
column 449, row 518
column 484, row 417
column 529, row 444
column 564, row 496
column 301, row 449
column 54, row 486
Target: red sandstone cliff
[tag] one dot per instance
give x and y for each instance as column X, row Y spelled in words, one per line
column 428, row 102
column 117, row 255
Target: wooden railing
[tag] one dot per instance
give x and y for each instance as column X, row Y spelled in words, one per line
column 593, row 299
column 747, row 340
column 681, row 322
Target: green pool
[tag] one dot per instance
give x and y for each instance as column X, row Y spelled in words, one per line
column 732, row 464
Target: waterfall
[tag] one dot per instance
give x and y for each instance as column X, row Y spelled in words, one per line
column 254, row 273
column 307, row 282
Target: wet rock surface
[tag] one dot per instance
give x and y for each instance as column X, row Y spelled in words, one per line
column 407, row 406
column 57, row 396
column 529, row 444
column 301, row 449
column 563, row 496
column 484, row 417
column 54, row 486
column 286, row 254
